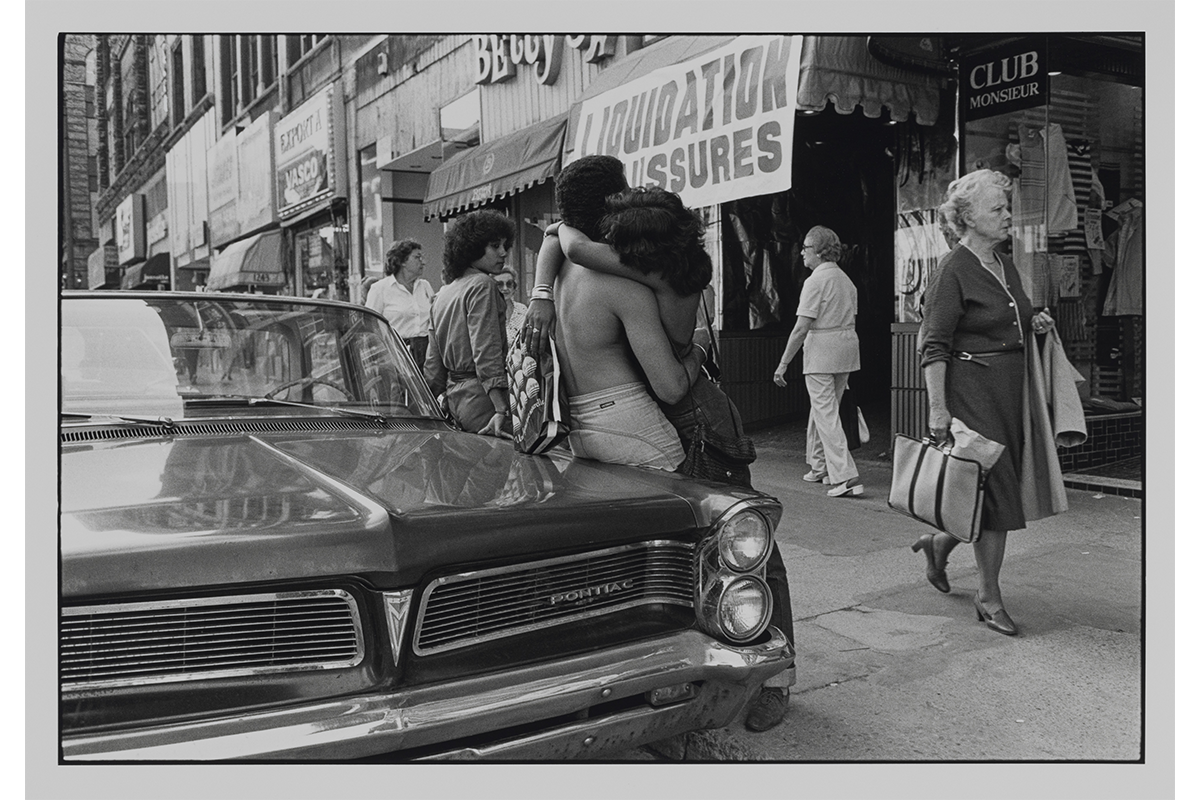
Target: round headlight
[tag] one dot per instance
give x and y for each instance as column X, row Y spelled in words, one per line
column 744, row 608
column 744, row 541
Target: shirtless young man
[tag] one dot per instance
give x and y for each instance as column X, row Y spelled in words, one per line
column 612, row 345
column 674, row 281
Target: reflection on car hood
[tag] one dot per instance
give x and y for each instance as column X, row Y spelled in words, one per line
column 202, row 511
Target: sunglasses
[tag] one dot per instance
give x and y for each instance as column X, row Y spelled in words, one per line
column 506, row 283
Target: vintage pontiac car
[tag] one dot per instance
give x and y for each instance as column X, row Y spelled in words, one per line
column 274, row 546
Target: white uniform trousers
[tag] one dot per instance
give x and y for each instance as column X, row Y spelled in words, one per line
column 828, row 450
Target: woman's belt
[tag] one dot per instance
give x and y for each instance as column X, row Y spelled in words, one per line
column 982, row 357
column 839, row 328
column 459, row 377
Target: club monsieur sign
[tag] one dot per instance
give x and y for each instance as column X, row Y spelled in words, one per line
column 713, row 129
column 1004, row 80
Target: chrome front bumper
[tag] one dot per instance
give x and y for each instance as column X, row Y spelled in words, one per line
column 477, row 718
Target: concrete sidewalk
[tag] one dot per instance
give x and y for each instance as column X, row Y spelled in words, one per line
column 890, row 669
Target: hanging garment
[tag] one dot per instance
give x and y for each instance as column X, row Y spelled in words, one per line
column 1125, row 289
column 1043, row 202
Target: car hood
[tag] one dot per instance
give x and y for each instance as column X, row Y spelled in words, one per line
column 387, row 506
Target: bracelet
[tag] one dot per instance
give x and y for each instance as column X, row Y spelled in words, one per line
column 542, row 294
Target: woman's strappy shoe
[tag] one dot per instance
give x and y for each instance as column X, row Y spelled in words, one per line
column 935, row 574
column 1000, row 622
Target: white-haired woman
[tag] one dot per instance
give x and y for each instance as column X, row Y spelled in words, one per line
column 514, row 312
column 825, row 328
column 977, row 320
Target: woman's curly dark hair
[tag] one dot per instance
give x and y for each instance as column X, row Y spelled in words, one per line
column 468, row 238
column 653, row 231
column 397, row 254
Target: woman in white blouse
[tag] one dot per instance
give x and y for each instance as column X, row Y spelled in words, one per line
column 404, row 296
column 825, row 328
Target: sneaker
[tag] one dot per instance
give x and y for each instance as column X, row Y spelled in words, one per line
column 768, row 709
column 851, row 487
column 817, row 477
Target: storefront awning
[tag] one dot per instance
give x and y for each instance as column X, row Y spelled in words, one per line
column 152, row 272
column 496, row 169
column 257, row 260
column 840, row 70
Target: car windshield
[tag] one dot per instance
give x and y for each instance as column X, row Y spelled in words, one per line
column 150, row 356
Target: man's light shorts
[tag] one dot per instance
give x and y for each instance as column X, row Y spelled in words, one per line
column 623, row 425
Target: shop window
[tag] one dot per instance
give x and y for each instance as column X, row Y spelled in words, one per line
column 156, row 198
column 157, row 60
column 371, row 183
column 300, row 46
column 178, row 109
column 199, row 70
column 247, row 70
column 321, row 256
column 230, row 79
column 1076, row 160
column 459, row 120
column 311, row 65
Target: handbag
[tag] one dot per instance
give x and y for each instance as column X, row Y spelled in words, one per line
column 940, row 489
column 537, row 399
column 718, row 449
column 721, row 459
column 853, row 422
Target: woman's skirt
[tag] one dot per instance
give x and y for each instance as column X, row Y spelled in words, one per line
column 986, row 394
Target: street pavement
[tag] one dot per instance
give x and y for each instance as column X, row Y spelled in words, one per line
column 890, row 669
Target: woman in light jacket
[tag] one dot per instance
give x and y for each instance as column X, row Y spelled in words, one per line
column 825, row 328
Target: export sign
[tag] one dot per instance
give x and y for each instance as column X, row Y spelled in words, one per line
column 713, row 129
column 1004, row 80
column 304, row 143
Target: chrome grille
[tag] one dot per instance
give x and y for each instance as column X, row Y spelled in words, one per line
column 133, row 644
column 474, row 607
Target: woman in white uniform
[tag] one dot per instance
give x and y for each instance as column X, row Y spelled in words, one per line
column 825, row 328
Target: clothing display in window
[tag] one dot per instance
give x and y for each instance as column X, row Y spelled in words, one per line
column 1043, row 202
column 1125, row 289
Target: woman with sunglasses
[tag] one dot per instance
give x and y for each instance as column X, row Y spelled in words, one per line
column 825, row 329
column 514, row 312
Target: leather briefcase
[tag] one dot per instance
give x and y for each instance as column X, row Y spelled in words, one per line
column 937, row 488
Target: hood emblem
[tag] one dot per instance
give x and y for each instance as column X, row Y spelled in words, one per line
column 589, row 593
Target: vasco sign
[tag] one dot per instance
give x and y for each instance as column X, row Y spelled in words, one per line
column 498, row 57
column 713, row 129
column 304, row 155
column 1001, row 81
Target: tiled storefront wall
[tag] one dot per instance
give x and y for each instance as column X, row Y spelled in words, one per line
column 1112, row 437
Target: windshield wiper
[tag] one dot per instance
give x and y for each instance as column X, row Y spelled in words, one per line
column 124, row 419
column 378, row 418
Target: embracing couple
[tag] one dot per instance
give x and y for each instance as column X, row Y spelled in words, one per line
column 619, row 285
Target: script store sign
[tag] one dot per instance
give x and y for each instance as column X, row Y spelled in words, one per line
column 713, row 129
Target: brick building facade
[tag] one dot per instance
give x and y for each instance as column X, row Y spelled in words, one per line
column 79, row 171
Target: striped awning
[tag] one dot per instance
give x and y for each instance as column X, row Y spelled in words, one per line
column 496, row 169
